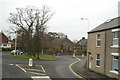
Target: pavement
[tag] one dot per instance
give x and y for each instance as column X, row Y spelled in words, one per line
column 79, row 69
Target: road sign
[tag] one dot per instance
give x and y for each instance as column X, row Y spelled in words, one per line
column 30, row 62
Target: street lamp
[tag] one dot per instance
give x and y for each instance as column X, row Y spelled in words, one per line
column 86, row 20
column 88, row 54
column 16, row 41
column 42, row 45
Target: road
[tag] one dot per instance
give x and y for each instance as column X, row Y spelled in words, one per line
column 54, row 69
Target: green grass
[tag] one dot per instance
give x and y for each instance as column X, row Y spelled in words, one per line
column 48, row 58
column 34, row 58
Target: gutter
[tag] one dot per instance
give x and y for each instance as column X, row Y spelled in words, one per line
column 104, row 29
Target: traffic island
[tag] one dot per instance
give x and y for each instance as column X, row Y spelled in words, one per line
column 29, row 67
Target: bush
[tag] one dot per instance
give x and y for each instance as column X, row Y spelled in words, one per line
column 6, row 49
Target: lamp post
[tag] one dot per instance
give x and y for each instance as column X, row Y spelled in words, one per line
column 87, row 21
column 42, row 45
column 88, row 53
column 42, row 51
column 15, row 41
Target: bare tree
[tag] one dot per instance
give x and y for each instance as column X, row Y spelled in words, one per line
column 61, row 35
column 31, row 23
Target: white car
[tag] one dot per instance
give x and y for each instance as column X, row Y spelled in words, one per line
column 17, row 52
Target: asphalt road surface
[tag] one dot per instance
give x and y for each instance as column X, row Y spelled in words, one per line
column 54, row 69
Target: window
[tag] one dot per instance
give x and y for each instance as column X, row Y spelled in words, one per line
column 98, row 42
column 4, row 44
column 115, row 57
column 98, row 60
column 115, row 63
column 115, row 39
column 68, row 48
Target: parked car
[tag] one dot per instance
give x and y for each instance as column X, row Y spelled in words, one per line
column 17, row 52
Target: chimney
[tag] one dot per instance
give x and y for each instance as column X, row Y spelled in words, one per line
column 66, row 36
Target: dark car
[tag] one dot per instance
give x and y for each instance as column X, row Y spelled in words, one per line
column 16, row 52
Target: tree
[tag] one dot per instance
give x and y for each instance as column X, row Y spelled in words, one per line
column 30, row 24
column 54, row 35
column 61, row 35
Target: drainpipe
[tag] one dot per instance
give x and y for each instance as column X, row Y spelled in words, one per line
column 105, row 55
column 87, row 60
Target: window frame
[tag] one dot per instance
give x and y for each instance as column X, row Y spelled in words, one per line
column 113, row 56
column 114, row 38
column 98, row 39
column 97, row 59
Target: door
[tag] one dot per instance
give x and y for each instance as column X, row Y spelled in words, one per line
column 89, row 61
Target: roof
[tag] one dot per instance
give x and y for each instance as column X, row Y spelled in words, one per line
column 56, row 41
column 82, row 42
column 109, row 24
column 61, row 40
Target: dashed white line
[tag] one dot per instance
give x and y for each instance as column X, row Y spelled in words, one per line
column 21, row 68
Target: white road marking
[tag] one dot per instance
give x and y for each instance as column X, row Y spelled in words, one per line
column 21, row 68
column 40, row 77
column 78, row 59
column 42, row 68
column 33, row 69
column 11, row 64
column 36, row 73
column 37, row 65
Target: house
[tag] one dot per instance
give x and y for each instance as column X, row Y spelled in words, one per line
column 4, row 42
column 3, row 38
column 104, row 48
column 81, row 46
column 62, row 45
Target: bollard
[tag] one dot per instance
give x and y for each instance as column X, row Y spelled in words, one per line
column 82, row 55
column 73, row 55
column 30, row 62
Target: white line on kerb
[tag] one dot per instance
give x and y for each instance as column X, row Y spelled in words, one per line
column 70, row 67
column 40, row 77
column 42, row 68
column 21, row 68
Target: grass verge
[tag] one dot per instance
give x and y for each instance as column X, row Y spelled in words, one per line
column 41, row 57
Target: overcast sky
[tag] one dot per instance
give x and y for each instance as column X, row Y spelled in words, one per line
column 68, row 14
